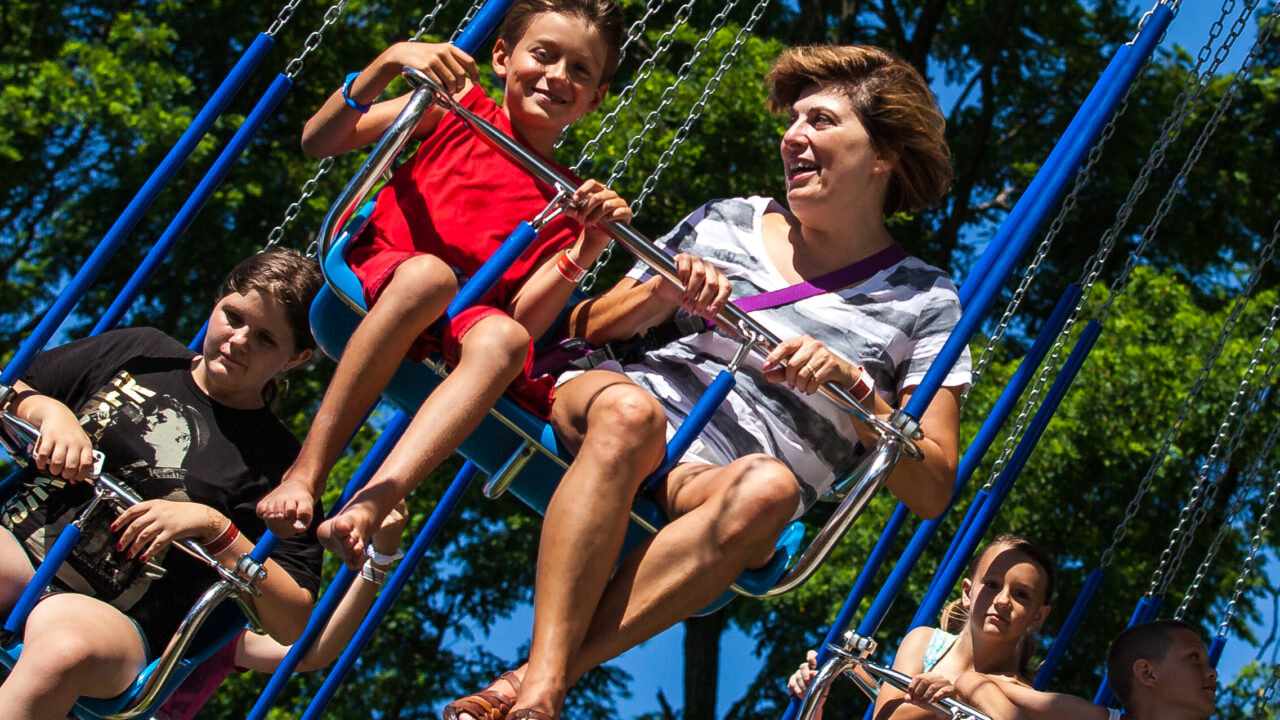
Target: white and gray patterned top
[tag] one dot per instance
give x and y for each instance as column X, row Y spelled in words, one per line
column 893, row 324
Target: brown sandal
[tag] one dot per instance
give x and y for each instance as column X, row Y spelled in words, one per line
column 528, row 714
column 488, row 704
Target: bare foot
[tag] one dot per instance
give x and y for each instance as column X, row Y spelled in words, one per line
column 287, row 509
column 346, row 533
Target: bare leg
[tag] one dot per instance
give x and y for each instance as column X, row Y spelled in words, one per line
column 15, row 572
column 493, row 355
column 74, row 645
column 417, row 294
column 725, row 519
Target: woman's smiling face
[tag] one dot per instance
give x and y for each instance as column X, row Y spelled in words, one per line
column 826, row 151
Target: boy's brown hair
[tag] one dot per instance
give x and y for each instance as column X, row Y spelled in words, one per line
column 604, row 15
column 1149, row 641
column 892, row 101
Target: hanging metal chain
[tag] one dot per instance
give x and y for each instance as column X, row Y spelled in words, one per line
column 1194, row 79
column 628, row 93
column 314, row 39
column 286, row 13
column 1175, row 187
column 638, row 27
column 466, row 20
column 1251, row 559
column 1093, row 270
column 291, row 212
column 1242, row 495
column 668, row 96
column 429, row 20
column 1186, row 516
column 1268, row 693
column 1219, row 470
column 694, row 113
column 1189, row 400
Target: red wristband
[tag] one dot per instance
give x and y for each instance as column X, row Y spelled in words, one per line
column 225, row 539
column 863, row 387
column 569, row 270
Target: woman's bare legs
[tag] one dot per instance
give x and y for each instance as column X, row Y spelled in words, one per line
column 73, row 645
column 725, row 519
column 416, row 295
column 493, row 354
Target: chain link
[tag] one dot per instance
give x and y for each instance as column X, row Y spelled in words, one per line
column 1187, row 522
column 286, row 13
column 291, row 212
column 1251, row 559
column 637, row 28
column 1188, row 401
column 429, row 20
column 1155, row 158
column 668, row 95
column 1175, row 187
column 466, row 20
column 1219, row 470
column 314, row 39
column 1267, row 694
column 609, row 122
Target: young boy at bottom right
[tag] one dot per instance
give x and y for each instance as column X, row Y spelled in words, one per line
column 1161, row 671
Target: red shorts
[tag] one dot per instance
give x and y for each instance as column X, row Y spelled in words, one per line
column 534, row 394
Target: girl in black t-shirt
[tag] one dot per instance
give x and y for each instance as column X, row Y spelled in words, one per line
column 193, row 434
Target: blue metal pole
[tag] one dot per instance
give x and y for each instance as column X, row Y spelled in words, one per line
column 491, row 271
column 1041, row 203
column 397, row 582
column 44, row 575
column 482, row 25
column 1003, row 408
column 195, row 202
column 1215, row 650
column 1086, row 114
column 128, row 219
column 699, row 415
column 1060, row 644
column 972, row 456
column 1004, row 484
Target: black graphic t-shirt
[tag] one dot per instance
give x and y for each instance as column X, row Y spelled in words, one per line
column 164, row 438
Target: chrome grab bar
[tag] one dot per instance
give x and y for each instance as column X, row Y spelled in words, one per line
column 854, row 661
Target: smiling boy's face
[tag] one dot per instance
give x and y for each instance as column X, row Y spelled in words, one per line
column 553, row 75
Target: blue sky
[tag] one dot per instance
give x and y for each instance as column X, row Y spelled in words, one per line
column 656, row 665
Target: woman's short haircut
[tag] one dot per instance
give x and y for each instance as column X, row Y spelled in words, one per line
column 287, row 275
column 603, row 15
column 892, row 101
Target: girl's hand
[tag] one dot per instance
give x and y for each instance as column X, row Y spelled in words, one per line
column 445, row 63
column 593, row 203
column 706, row 288
column 800, row 679
column 63, row 450
column 928, row 688
column 151, row 525
column 387, row 539
column 804, row 364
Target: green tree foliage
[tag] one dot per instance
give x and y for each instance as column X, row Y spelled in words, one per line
column 94, row 93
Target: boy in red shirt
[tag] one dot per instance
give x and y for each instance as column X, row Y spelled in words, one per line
column 443, row 213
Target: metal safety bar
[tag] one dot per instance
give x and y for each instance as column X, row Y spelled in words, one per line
column 853, row 660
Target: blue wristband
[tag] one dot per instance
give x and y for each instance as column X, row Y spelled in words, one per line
column 346, row 95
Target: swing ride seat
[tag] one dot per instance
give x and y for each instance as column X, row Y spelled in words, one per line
column 510, row 444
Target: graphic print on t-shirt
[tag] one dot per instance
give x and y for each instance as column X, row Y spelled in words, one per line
column 167, row 431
